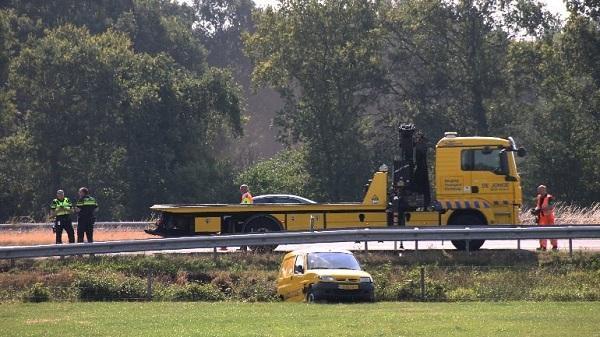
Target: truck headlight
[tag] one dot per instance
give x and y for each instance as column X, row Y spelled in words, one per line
column 327, row 278
column 366, row 280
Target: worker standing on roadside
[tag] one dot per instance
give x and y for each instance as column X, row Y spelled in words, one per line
column 62, row 209
column 86, row 206
column 544, row 212
column 246, row 196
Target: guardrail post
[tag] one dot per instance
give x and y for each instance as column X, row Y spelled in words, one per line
column 422, row 283
column 215, row 257
column 519, row 244
column 12, row 263
column 395, row 246
column 366, row 247
column 149, row 287
column 467, row 246
column 570, row 247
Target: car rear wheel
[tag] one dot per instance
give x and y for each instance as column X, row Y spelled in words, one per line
column 262, row 224
column 310, row 297
column 467, row 220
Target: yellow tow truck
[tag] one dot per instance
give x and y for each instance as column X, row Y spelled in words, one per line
column 476, row 184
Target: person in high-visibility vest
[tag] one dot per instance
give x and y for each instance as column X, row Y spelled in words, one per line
column 86, row 206
column 246, row 196
column 544, row 211
column 62, row 208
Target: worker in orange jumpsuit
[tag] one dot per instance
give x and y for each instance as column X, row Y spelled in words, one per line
column 246, row 196
column 544, row 211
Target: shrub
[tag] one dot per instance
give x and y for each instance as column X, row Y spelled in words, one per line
column 133, row 288
column 222, row 281
column 197, row 292
column 410, row 290
column 462, row 294
column 110, row 287
column 37, row 293
column 255, row 287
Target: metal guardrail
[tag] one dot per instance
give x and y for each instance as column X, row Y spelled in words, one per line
column 278, row 238
column 103, row 224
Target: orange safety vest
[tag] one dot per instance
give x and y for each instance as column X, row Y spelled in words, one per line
column 546, row 217
column 247, row 198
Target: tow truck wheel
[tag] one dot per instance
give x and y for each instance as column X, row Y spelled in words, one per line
column 262, row 224
column 467, row 220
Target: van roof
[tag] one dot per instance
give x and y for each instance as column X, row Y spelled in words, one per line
column 317, row 250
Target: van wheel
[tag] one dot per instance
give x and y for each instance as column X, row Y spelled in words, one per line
column 467, row 220
column 310, row 297
column 262, row 224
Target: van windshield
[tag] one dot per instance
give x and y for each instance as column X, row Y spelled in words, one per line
column 332, row 261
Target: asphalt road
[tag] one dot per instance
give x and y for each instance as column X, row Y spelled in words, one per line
column 531, row 245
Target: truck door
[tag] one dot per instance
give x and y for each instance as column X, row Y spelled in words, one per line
column 490, row 188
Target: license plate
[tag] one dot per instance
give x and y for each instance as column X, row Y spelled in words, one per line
column 348, row 286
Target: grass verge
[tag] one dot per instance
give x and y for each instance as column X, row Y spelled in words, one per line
column 289, row 319
column 450, row 276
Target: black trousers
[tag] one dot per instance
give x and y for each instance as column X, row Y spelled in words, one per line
column 85, row 227
column 64, row 222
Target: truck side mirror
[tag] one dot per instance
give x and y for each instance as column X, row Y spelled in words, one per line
column 521, row 152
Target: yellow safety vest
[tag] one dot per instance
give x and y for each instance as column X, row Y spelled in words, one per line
column 61, row 207
column 247, row 198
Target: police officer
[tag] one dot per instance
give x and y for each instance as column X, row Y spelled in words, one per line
column 62, row 209
column 86, row 206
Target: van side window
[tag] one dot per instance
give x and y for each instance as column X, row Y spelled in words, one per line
column 299, row 262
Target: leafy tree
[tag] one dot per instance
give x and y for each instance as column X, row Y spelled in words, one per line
column 324, row 60
column 285, row 173
column 565, row 118
column 139, row 128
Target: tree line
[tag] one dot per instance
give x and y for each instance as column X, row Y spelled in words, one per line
column 146, row 101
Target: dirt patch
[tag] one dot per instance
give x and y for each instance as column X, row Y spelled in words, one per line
column 41, row 321
column 41, row 237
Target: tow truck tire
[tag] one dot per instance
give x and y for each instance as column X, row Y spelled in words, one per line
column 262, row 224
column 467, row 220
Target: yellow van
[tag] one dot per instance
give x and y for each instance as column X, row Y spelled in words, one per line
column 321, row 275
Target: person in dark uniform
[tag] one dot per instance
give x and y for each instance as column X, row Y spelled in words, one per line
column 62, row 208
column 86, row 206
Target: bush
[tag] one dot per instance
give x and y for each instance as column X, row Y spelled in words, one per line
column 255, row 287
column 565, row 294
column 109, row 288
column 462, row 294
column 197, row 292
column 133, row 288
column 222, row 281
column 410, row 290
column 37, row 293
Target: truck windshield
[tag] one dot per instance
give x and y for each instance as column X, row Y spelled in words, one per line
column 484, row 160
column 332, row 261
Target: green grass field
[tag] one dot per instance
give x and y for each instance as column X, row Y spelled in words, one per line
column 290, row 319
